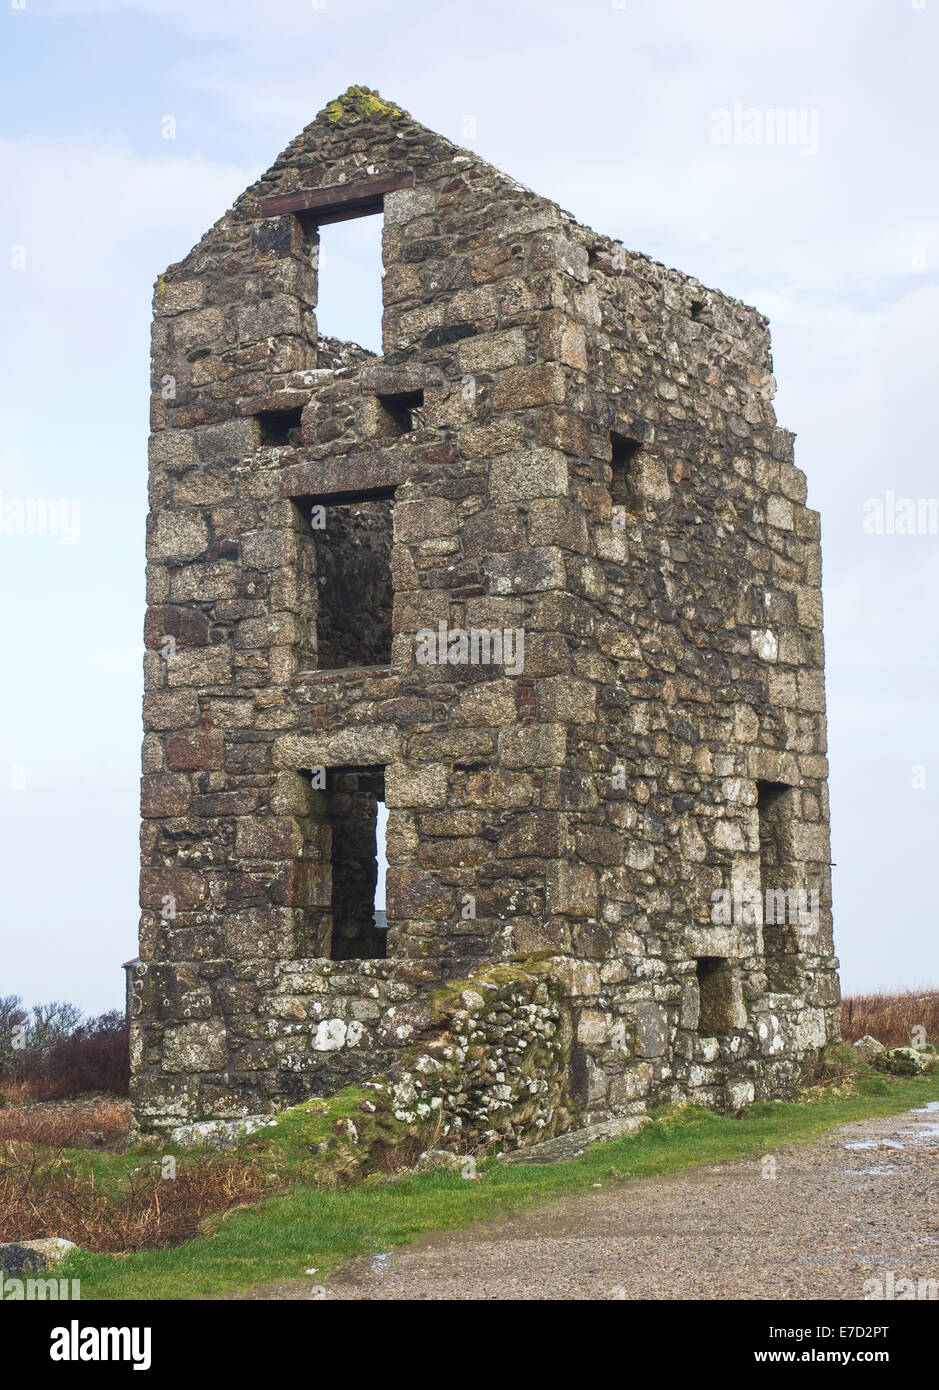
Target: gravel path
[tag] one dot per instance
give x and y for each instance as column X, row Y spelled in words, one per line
column 854, row 1205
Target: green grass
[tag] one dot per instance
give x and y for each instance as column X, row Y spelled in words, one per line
column 284, row 1236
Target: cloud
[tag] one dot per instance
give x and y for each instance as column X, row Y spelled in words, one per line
column 609, row 110
column 75, row 205
column 98, row 223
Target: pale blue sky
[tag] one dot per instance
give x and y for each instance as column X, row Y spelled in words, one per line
column 607, row 108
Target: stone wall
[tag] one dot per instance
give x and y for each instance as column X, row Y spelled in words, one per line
column 562, row 439
column 487, row 1057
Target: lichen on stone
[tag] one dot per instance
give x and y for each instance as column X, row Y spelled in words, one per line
column 905, row 1061
column 361, row 101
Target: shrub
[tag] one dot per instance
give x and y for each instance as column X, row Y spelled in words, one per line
column 92, row 1056
column 25, row 1032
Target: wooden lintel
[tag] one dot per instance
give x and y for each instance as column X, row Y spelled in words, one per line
column 338, row 202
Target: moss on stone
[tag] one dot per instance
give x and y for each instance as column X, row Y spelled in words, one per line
column 447, row 1000
column 360, row 101
column 340, row 1138
column 905, row 1061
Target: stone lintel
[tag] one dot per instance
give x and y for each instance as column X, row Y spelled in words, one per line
column 346, row 478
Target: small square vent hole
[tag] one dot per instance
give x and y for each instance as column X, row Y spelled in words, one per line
column 401, row 412
column 280, row 426
column 622, row 484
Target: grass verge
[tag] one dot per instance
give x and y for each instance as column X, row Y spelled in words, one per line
column 317, row 1228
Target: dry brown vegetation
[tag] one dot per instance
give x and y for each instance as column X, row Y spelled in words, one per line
column 40, row 1195
column 99, row 1123
column 891, row 1018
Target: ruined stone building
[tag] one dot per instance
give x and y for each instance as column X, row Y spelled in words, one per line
column 542, row 580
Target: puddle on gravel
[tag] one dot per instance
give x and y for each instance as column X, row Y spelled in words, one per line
column 379, row 1263
column 922, row 1134
column 877, row 1170
column 928, row 1131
